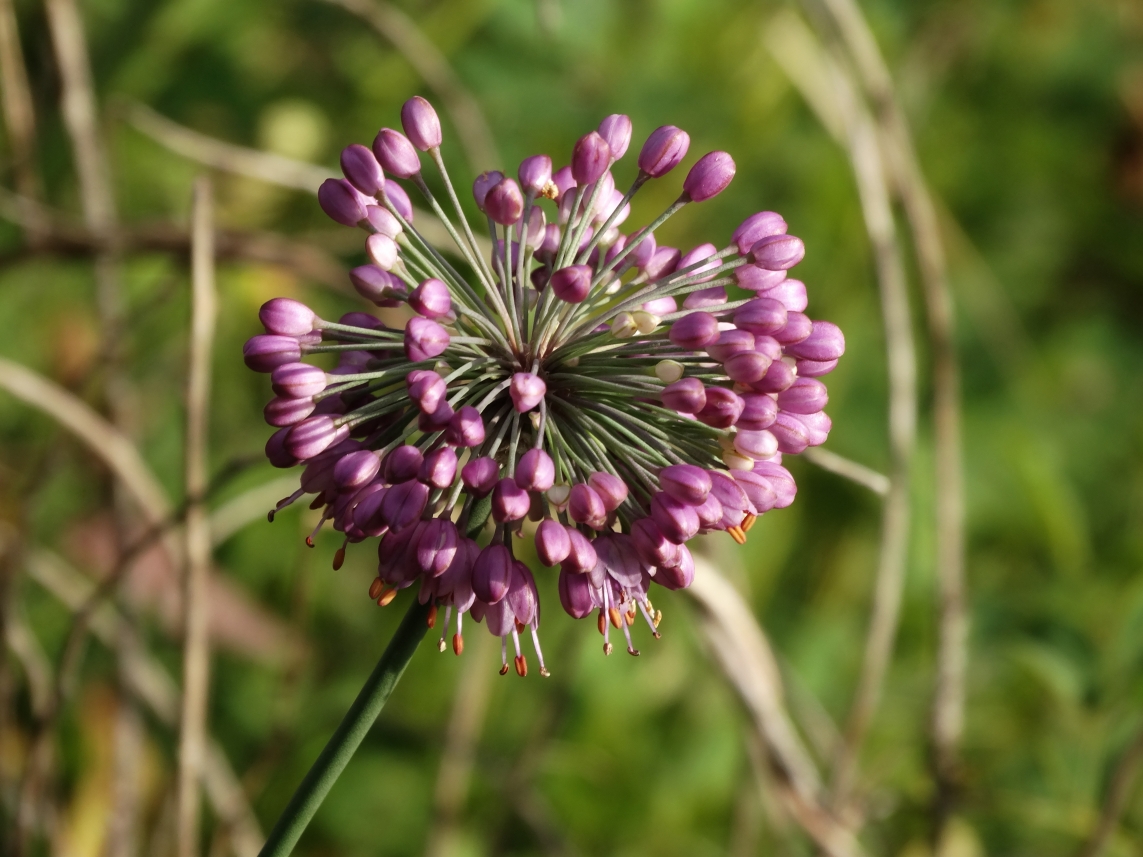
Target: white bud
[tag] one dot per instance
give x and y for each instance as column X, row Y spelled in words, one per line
column 558, row 495
column 645, row 321
column 737, row 462
column 669, row 371
column 624, row 326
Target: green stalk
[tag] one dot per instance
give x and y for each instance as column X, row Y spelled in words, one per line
column 349, row 735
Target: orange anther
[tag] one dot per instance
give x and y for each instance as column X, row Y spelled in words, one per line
column 521, row 666
column 387, row 597
column 504, row 669
column 432, row 619
column 748, row 522
column 338, row 559
column 458, row 644
column 375, row 588
column 616, row 617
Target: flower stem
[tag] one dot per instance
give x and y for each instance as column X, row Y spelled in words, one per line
column 349, row 735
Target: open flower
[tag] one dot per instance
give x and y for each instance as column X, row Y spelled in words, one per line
column 555, row 380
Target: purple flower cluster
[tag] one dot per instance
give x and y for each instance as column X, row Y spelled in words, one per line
column 585, row 379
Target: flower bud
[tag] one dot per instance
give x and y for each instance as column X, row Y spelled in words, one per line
column 780, row 480
column 792, row 435
column 510, row 502
column 590, row 158
column 660, row 307
column 399, row 200
column 687, row 396
column 431, row 299
column 755, row 444
column 492, row 573
column 729, row 343
column 286, row 411
column 722, row 408
column 404, row 503
column 276, row 451
column 439, row 468
column 624, row 326
column 424, row 339
column 757, row 226
column 761, row 316
column 663, row 262
column 585, row 506
column 611, row 489
column 402, row 464
column 285, row 317
column 694, row 331
column 778, row 252
column 535, row 173
column 504, row 202
column 746, row 366
column 616, row 131
column 382, row 251
column 709, row 176
column 680, row 575
column 297, row 380
column 438, row 420
column 815, row 368
column 758, row 279
column 663, row 150
column 466, row 428
column 778, row 377
column 714, row 296
column 382, row 221
column 522, row 598
column 687, row 483
column 426, row 388
column 421, row 123
column 575, row 594
column 341, row 202
column 563, row 180
column 729, row 493
column 825, row 342
column 653, row 547
column 798, row 328
column 552, row 542
column 355, row 470
column 758, row 488
column 669, row 371
column 818, row 425
column 535, row 471
column 645, row 322
column 758, row 412
column 313, row 436
column 396, row 154
column 436, row 546
column 676, row 519
column 582, row 556
column 571, row 284
column 361, row 169
column 378, row 286
column 266, row 352
column 483, row 184
column 804, row 396
column 480, row 476
column 527, row 391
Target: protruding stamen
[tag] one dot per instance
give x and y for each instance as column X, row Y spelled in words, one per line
column 521, row 666
column 318, row 501
column 633, row 652
column 375, row 588
column 321, row 523
column 339, row 557
column 432, row 618
column 387, row 597
column 539, row 654
column 504, row 655
column 457, row 644
column 504, row 669
column 630, row 616
column 601, row 622
column 658, row 617
column 737, row 534
column 616, row 618
column 643, row 608
column 748, row 522
column 441, row 645
column 607, row 648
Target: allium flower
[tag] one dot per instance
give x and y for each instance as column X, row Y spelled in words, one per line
column 556, row 381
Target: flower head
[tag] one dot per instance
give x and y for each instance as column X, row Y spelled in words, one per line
column 582, row 378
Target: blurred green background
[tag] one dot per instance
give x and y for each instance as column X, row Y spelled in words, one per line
column 1028, row 120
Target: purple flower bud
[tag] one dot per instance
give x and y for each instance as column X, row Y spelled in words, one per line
column 729, row 493
column 563, row 180
column 575, row 594
column 426, row 388
column 399, row 200
column 620, row 558
column 709, row 176
column 714, row 296
column 789, row 293
column 552, row 542
column 356, row 470
column 722, row 408
column 676, row 519
column 761, row 316
column 687, row 483
column 729, row 343
column 687, row 396
column 396, row 154
column 436, row 546
column 710, row 514
column 653, row 547
column 825, row 342
column 778, row 377
column 644, row 251
column 755, row 444
column 678, row 576
column 424, row 339
column 590, row 158
column 663, row 150
column 361, row 169
column 758, row 488
column 404, row 503
column 276, row 450
column 818, row 425
column 367, row 512
column 696, row 255
column 438, row 420
column 757, row 226
column 510, row 502
column 780, row 480
column 695, row 331
column 746, row 366
column 815, row 368
column 527, row 391
column 535, row 173
column 480, row 476
column 533, row 233
column 792, row 435
column 582, row 556
column 504, row 203
column 535, row 471
column 492, row 573
column 297, row 380
column 798, row 328
column 402, row 464
column 378, row 286
column 585, row 506
column 805, row 396
column 611, row 489
column 662, row 263
column 431, row 299
column 382, row 251
column 483, row 184
column 522, row 598
column 341, row 202
column 661, row 307
column 266, row 352
column 285, row 317
column 758, row 412
column 778, row 252
column 286, row 411
column 466, row 428
column 421, row 123
column 312, row 436
column 572, row 283
column 758, row 279
column 439, row 468
column 551, row 242
column 382, row 221
column 616, row 131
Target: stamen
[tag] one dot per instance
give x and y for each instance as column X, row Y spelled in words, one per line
column 748, row 522
column 601, row 622
column 616, row 619
column 631, row 650
column 444, row 628
column 283, row 503
column 375, row 588
column 503, row 656
column 339, row 555
column 737, row 534
column 432, row 619
column 321, row 523
column 650, row 621
column 539, row 654
column 387, row 597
